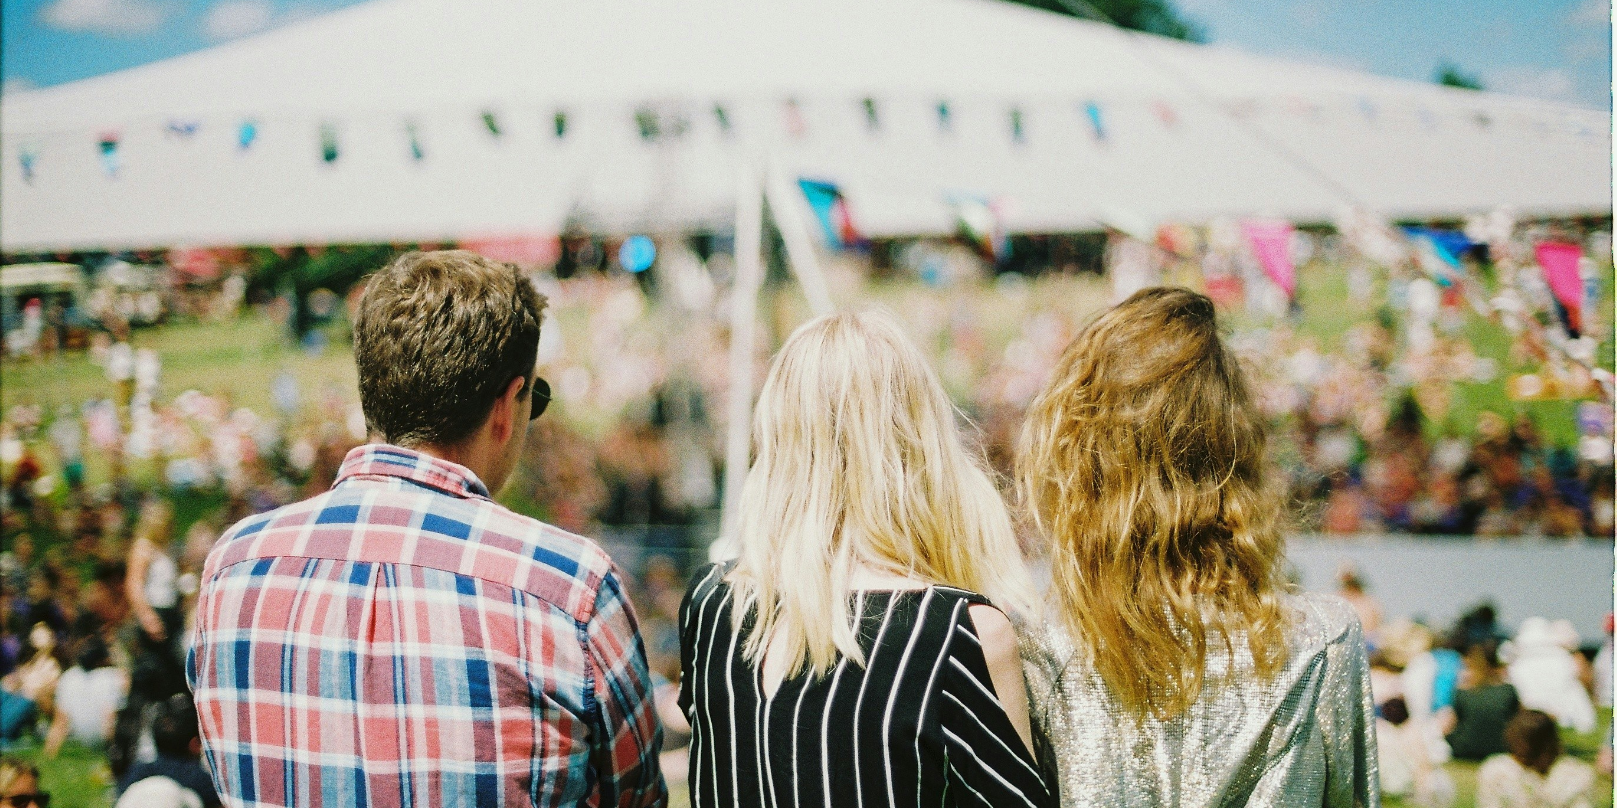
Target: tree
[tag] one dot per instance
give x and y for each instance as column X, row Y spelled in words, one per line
column 1449, row 74
column 1151, row 16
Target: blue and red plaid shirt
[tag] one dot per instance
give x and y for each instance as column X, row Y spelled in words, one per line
column 402, row 640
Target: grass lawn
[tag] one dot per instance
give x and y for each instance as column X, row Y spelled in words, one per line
column 239, row 356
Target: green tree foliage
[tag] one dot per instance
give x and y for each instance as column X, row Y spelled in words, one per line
column 1151, row 16
column 1449, row 74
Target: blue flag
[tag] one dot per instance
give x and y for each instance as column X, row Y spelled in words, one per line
column 1096, row 123
column 831, row 210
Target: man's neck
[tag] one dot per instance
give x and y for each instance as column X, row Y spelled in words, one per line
column 470, row 453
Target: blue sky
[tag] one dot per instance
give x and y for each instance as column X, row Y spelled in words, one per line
column 1559, row 49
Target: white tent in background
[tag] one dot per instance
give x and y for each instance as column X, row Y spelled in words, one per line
column 1185, row 131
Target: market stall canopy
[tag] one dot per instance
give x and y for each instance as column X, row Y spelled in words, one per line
column 421, row 120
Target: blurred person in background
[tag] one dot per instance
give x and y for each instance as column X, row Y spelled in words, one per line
column 19, row 785
column 178, row 760
column 1177, row 668
column 1546, row 674
column 154, row 599
column 1534, row 774
column 1350, row 587
column 855, row 652
column 1428, row 681
column 1406, row 766
column 1483, row 705
column 26, row 692
column 1603, row 692
column 88, row 697
column 518, row 636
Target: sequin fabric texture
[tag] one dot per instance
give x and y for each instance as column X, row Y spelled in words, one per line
column 1304, row 738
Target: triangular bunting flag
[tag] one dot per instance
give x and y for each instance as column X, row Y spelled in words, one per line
column 831, row 211
column 1097, row 125
column 1270, row 240
column 246, row 133
column 108, row 148
column 1559, row 260
column 978, row 220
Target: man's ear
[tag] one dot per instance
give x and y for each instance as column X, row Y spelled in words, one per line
column 504, row 418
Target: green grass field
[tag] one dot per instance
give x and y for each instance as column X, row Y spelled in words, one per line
column 239, row 357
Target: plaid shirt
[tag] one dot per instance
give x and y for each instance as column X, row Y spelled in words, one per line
column 402, row 640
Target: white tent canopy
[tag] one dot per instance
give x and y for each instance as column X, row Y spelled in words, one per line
column 1190, row 131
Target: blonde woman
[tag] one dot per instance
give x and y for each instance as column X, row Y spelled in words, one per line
column 855, row 654
column 1176, row 667
column 154, row 599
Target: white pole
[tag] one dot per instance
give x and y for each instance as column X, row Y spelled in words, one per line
column 791, row 216
column 743, row 325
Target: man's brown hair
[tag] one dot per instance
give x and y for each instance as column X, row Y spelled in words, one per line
column 437, row 338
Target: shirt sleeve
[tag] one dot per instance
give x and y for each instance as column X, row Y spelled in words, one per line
column 687, row 639
column 1349, row 723
column 989, row 766
column 628, row 737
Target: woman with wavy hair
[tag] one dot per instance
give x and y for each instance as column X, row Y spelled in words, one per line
column 1177, row 667
column 854, row 653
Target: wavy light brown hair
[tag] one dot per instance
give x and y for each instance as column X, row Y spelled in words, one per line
column 1143, row 464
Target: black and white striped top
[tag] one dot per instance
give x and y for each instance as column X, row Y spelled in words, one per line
column 919, row 725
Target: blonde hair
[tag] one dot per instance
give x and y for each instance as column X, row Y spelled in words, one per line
column 858, row 459
column 1143, row 463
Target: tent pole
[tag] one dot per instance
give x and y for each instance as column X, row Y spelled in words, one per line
column 743, row 328
column 789, row 214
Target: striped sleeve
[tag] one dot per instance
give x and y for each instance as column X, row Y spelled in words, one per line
column 687, row 641
column 988, row 763
column 629, row 738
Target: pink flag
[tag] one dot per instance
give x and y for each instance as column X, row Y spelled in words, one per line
column 1271, row 245
column 1559, row 261
column 525, row 251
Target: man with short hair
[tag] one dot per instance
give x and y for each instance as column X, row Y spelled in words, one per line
column 174, row 734
column 401, row 639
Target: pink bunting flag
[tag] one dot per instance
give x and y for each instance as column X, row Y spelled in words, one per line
column 523, row 250
column 1271, row 245
column 1559, row 260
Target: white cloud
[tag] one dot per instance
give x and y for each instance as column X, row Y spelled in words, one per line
column 234, row 18
column 1539, row 82
column 1590, row 13
column 1310, row 15
column 115, row 17
column 1588, row 32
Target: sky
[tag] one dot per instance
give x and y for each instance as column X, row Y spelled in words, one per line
column 1555, row 49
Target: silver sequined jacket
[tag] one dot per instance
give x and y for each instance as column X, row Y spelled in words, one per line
column 1305, row 739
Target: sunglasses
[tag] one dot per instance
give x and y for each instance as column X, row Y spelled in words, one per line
column 42, row 799
column 541, row 397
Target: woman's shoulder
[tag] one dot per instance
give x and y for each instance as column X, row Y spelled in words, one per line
column 1319, row 619
column 707, row 579
column 955, row 593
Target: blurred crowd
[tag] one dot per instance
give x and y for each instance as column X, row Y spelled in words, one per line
column 1477, row 692
column 111, row 504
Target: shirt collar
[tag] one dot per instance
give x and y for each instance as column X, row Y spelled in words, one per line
column 386, row 460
